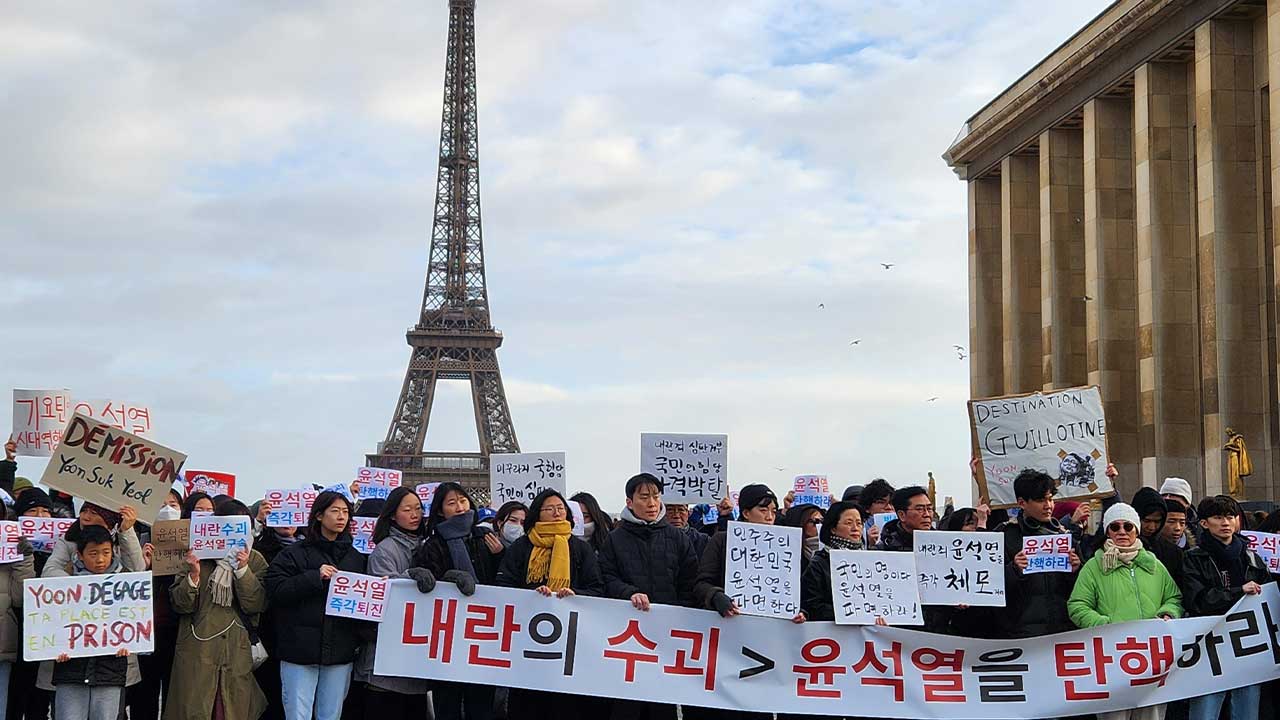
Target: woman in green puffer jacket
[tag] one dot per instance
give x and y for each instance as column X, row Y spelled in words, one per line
column 1124, row 581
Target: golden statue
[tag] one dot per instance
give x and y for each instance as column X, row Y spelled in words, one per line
column 933, row 491
column 1238, row 463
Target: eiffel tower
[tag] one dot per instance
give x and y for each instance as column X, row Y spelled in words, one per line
column 454, row 338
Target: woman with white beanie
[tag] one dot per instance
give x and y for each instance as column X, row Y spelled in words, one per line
column 1124, row 582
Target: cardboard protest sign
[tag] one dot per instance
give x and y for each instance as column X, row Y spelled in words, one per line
column 290, row 508
column 210, row 483
column 811, row 490
column 120, row 415
column 1047, row 553
column 762, row 569
column 362, row 534
column 376, row 483
column 356, row 596
column 9, row 534
column 693, row 468
column 521, row 476
column 112, row 468
column 215, row 537
column 87, row 615
column 39, row 417
column 869, row 584
column 960, row 568
column 426, row 492
column 1265, row 544
column 171, row 540
column 42, row 533
column 1063, row 433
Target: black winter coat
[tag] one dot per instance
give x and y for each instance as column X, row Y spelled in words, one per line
column 103, row 670
column 1035, row 604
column 710, row 580
column 657, row 560
column 304, row 634
column 1169, row 555
column 893, row 538
column 815, row 589
column 584, row 571
column 1205, row 588
column 433, row 554
column 699, row 540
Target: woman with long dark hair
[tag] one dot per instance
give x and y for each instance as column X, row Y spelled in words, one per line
column 509, row 522
column 397, row 534
column 598, row 524
column 316, row 651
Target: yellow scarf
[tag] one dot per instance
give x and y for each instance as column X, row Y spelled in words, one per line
column 549, row 561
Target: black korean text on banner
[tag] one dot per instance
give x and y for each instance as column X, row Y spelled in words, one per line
column 591, row 646
column 762, row 569
column 1063, row 433
column 521, row 476
column 112, row 468
column 87, row 615
column 693, row 468
column 960, row 568
column 867, row 585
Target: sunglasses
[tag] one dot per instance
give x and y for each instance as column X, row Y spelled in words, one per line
column 1121, row 527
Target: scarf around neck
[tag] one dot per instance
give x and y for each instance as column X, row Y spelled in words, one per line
column 840, row 543
column 1229, row 557
column 1113, row 556
column 549, row 560
column 455, row 532
column 630, row 517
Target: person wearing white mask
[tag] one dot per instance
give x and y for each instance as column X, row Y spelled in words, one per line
column 509, row 522
column 597, row 525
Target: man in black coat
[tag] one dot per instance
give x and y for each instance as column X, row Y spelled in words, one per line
column 915, row 512
column 1151, row 508
column 647, row 561
column 1035, row 604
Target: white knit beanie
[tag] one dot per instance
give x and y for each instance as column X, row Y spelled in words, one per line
column 1121, row 511
column 1176, row 486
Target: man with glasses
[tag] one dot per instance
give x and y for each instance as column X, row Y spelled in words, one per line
column 1035, row 604
column 915, row 512
column 678, row 516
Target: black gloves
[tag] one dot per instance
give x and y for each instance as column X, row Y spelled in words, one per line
column 722, row 603
column 466, row 584
column 426, row 581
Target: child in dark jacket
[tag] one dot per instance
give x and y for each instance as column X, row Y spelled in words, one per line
column 91, row 688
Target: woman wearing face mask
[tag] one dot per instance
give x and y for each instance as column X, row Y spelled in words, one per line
column 397, row 533
column 809, row 519
column 597, row 525
column 509, row 522
column 144, row 699
column 458, row 551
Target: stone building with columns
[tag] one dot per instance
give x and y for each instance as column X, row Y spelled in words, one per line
column 1122, row 234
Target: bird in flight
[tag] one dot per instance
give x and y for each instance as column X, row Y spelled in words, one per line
column 855, row 341
column 822, row 306
column 886, row 266
column 932, row 399
column 959, row 348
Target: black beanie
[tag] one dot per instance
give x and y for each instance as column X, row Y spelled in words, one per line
column 753, row 496
column 31, row 498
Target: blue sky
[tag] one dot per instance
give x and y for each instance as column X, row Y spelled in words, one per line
column 224, row 211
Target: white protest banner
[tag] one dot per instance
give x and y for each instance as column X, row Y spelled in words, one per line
column 1063, row 433
column 210, row 483
column 693, row 468
column 290, row 508
column 39, row 417
column 356, row 596
column 521, row 476
column 120, row 415
column 171, row 540
column 960, row 568
column 112, row 468
column 426, row 492
column 811, row 490
column 362, row 533
column 1047, row 553
column 879, row 520
column 870, row 584
column 86, row 615
column 215, row 536
column 43, row 532
column 9, row 534
column 606, row 648
column 1265, row 544
column 762, row 569
column 376, row 483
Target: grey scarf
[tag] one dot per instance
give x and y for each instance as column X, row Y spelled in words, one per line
column 455, row 532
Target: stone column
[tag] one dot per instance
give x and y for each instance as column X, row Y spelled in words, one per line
column 1062, row 294
column 986, row 321
column 1020, row 272
column 1111, row 284
column 1232, row 345
column 1168, row 367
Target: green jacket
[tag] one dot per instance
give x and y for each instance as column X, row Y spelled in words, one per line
column 1143, row 591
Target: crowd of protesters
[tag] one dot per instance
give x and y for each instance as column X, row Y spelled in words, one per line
column 246, row 636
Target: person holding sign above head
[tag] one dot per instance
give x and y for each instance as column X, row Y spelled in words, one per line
column 554, row 563
column 647, row 561
column 458, row 551
column 217, row 602
column 1035, row 603
column 119, row 525
column 91, row 688
column 316, row 651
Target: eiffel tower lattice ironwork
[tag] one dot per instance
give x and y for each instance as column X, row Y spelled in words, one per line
column 454, row 338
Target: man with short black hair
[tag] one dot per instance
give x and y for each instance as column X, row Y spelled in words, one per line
column 1035, row 604
column 915, row 512
column 876, row 497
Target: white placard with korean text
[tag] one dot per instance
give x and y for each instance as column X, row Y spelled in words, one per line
column 362, row 533
column 118, row 414
column 376, row 483
column 811, row 490
column 356, row 596
column 290, row 508
column 44, row 532
column 870, row 584
column 693, row 468
column 521, row 476
column 39, row 417
column 215, row 536
column 1265, row 544
column 762, row 569
column 1047, row 553
column 960, row 568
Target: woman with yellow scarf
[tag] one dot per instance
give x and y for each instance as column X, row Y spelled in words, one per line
column 552, row 562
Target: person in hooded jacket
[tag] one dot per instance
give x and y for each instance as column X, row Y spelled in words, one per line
column 1035, row 604
column 316, row 651
column 808, row 518
column 548, row 559
column 647, row 561
column 596, row 522
column 1151, row 509
column 25, row 700
column 459, row 551
column 217, row 602
column 397, row 535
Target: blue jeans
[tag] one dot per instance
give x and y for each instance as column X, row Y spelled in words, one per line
column 1244, row 704
column 321, row 688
